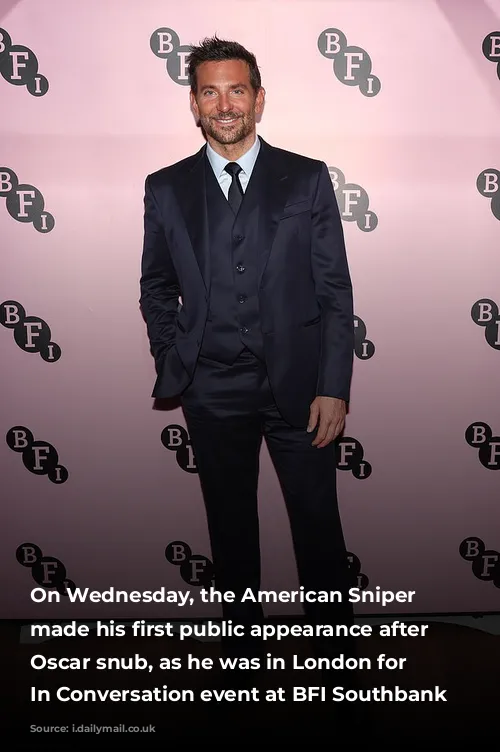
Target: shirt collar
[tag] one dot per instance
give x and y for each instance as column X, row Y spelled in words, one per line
column 246, row 162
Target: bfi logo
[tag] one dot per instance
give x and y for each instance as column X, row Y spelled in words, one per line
column 485, row 562
column 19, row 66
column 491, row 49
column 488, row 185
column 363, row 348
column 176, row 438
column 195, row 569
column 349, row 455
column 485, row 313
column 24, row 202
column 480, row 436
column 357, row 577
column 351, row 65
column 39, row 457
column 353, row 201
column 31, row 333
column 47, row 571
column 165, row 44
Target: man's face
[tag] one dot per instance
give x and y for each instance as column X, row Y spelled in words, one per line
column 225, row 102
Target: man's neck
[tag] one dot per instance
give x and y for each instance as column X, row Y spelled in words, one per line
column 233, row 151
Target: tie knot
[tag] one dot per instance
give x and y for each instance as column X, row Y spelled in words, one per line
column 233, row 168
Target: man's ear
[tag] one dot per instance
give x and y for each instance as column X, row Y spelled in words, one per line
column 260, row 100
column 194, row 105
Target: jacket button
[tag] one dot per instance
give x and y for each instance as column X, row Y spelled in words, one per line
column 242, row 298
column 244, row 330
column 240, row 268
column 238, row 238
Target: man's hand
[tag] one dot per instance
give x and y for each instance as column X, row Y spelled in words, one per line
column 330, row 412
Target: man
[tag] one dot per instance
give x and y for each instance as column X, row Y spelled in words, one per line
column 249, row 238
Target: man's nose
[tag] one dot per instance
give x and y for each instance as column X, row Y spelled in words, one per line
column 224, row 104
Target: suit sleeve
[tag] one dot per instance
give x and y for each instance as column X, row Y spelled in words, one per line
column 158, row 284
column 334, row 292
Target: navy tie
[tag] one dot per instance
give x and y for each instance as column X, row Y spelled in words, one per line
column 235, row 195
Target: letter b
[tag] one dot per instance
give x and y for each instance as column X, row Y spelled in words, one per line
column 299, row 694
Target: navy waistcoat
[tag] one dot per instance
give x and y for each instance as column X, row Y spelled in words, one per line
column 233, row 320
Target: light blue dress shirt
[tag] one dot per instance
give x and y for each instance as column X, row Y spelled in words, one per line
column 246, row 162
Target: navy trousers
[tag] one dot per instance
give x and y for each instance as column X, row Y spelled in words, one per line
column 228, row 410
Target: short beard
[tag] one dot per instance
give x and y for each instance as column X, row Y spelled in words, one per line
column 232, row 136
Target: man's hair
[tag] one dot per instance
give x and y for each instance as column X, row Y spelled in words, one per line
column 214, row 50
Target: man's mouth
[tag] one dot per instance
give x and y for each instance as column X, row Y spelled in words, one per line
column 226, row 121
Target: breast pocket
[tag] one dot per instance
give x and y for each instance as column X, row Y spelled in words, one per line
column 296, row 207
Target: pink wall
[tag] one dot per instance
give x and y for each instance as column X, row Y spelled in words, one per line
column 110, row 116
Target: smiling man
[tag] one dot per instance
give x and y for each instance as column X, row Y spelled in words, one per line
column 249, row 238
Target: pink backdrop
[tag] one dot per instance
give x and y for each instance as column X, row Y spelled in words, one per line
column 111, row 115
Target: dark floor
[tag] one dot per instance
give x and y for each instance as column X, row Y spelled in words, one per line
column 461, row 660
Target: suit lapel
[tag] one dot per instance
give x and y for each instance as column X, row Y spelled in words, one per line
column 264, row 200
column 192, row 199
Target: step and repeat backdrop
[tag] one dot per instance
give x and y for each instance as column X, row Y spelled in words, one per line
column 401, row 99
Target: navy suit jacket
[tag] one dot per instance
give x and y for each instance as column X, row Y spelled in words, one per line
column 305, row 292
